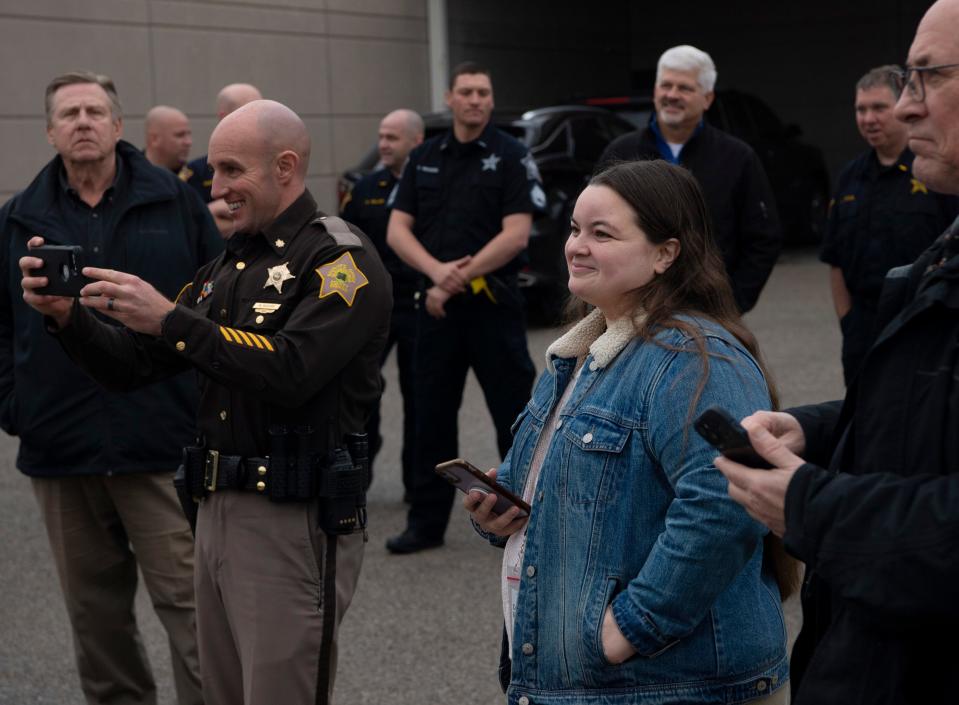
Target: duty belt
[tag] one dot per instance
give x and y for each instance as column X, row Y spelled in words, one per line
column 229, row 472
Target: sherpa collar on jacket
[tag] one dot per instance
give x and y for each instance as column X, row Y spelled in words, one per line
column 593, row 335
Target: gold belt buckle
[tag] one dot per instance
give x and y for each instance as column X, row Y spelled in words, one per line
column 210, row 469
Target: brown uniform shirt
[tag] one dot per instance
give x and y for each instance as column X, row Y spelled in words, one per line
column 287, row 326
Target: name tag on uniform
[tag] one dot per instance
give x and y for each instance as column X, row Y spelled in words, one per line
column 266, row 307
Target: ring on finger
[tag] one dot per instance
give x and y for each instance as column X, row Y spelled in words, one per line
column 111, row 304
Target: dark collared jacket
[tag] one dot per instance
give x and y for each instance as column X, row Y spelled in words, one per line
column 879, row 530
column 286, row 327
column 157, row 229
column 737, row 193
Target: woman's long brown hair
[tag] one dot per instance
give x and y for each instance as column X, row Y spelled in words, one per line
column 668, row 203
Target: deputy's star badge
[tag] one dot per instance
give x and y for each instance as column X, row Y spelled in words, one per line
column 918, row 186
column 490, row 163
column 275, row 276
column 343, row 277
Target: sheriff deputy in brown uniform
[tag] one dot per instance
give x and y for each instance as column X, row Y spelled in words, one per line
column 287, row 328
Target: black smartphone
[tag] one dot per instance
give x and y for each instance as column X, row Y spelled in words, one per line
column 728, row 436
column 465, row 476
column 62, row 266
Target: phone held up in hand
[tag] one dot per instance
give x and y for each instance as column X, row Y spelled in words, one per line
column 728, row 436
column 466, row 477
column 62, row 266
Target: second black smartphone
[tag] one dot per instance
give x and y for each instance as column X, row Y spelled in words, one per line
column 728, row 436
column 62, row 266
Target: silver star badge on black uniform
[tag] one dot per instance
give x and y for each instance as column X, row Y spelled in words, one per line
column 275, row 276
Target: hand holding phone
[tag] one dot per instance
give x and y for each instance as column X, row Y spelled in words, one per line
column 728, row 436
column 63, row 267
column 466, row 477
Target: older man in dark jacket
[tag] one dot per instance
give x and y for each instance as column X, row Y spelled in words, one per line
column 879, row 530
column 101, row 464
column 737, row 192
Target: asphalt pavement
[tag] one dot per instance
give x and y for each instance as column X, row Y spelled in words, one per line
column 422, row 628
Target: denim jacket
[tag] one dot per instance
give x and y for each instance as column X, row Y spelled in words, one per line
column 629, row 511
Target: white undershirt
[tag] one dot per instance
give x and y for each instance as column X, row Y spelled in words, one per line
column 516, row 544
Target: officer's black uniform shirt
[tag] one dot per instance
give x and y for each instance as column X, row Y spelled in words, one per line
column 881, row 217
column 365, row 206
column 198, row 174
column 459, row 193
column 287, row 326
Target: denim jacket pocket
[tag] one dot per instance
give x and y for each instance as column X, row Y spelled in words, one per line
column 590, row 432
column 596, row 456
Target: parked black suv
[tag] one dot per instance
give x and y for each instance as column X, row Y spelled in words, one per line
column 797, row 171
column 566, row 142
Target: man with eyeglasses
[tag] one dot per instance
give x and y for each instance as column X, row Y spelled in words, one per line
column 881, row 216
column 879, row 529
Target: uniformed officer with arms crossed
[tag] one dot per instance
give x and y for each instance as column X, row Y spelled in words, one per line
column 365, row 206
column 881, row 216
column 286, row 328
column 461, row 217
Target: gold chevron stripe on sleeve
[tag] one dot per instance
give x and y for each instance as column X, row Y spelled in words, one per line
column 266, row 342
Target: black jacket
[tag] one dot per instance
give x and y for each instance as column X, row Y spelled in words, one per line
column 66, row 423
column 737, row 192
column 879, row 531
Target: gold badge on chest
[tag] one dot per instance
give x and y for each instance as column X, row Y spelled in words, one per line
column 275, row 276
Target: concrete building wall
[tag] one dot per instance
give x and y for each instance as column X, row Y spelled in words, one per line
column 340, row 64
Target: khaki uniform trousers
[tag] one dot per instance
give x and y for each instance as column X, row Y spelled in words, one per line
column 100, row 527
column 271, row 590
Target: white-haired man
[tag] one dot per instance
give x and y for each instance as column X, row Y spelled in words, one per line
column 737, row 192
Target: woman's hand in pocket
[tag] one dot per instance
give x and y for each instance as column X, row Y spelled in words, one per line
column 616, row 647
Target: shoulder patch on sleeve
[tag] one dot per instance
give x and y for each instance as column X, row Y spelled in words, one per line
column 343, row 277
column 340, row 231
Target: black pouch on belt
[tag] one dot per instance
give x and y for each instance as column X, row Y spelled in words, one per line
column 342, row 489
column 187, row 503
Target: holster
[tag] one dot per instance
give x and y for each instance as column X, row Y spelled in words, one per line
column 187, row 503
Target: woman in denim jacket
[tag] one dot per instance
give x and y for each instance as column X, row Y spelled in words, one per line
column 636, row 578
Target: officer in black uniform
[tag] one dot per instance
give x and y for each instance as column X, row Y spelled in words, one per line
column 365, row 206
column 287, row 329
column 461, row 217
column 881, row 217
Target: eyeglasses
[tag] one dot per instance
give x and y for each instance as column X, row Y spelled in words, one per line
column 912, row 79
